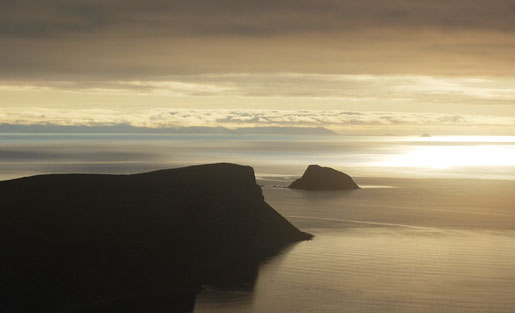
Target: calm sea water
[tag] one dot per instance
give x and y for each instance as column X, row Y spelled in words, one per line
column 433, row 229
column 381, row 156
column 412, row 245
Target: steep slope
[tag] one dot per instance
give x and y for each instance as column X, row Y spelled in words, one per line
column 71, row 241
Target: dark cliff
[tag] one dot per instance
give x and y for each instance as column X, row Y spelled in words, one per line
column 324, row 178
column 71, row 241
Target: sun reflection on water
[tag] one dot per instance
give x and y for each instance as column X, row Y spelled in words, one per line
column 484, row 153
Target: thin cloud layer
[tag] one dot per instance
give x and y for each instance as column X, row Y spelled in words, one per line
column 371, row 89
column 247, row 118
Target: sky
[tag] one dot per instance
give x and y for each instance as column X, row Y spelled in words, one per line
column 359, row 67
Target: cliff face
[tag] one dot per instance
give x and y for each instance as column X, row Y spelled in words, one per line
column 324, row 178
column 72, row 240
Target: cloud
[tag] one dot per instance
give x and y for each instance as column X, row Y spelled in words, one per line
column 246, row 118
column 145, row 40
column 375, row 55
column 364, row 89
column 247, row 17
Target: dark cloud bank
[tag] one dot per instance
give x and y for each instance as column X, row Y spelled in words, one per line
column 72, row 40
column 244, row 18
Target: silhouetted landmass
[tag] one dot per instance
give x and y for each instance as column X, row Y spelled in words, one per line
column 133, row 243
column 285, row 130
column 128, row 129
column 324, row 178
column 425, row 135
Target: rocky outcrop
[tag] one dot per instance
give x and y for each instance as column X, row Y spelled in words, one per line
column 87, row 242
column 324, row 178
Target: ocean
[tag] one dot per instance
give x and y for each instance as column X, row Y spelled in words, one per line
column 431, row 230
column 402, row 245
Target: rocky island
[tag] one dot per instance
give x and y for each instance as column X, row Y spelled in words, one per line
column 132, row 243
column 324, row 178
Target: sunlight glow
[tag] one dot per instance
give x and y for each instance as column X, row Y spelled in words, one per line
column 442, row 157
column 464, row 139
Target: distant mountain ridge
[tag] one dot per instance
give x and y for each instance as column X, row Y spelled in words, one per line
column 125, row 128
column 285, row 130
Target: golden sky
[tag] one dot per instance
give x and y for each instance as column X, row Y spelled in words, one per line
column 371, row 65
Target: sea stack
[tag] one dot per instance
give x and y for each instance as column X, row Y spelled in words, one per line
column 324, row 178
